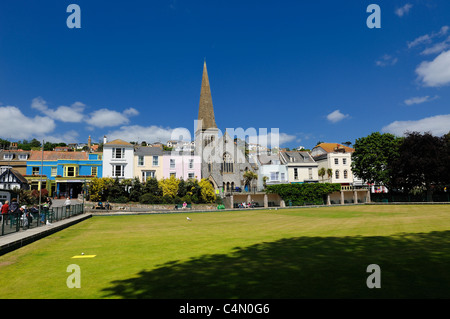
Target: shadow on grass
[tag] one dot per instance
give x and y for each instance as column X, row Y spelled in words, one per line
column 412, row 266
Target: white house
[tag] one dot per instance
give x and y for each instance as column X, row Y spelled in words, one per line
column 301, row 167
column 118, row 157
column 336, row 157
column 270, row 167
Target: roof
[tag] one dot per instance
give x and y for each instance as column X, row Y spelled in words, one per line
column 11, row 171
column 206, row 109
column 333, row 147
column 118, row 142
column 146, row 150
column 295, row 157
column 55, row 155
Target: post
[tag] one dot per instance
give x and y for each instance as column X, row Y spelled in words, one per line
column 40, row 179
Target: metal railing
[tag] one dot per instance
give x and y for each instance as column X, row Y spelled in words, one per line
column 11, row 223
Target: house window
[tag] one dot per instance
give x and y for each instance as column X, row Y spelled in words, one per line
column 344, row 161
column 173, row 174
column 140, row 160
column 53, row 171
column 337, row 174
column 310, row 173
column 70, row 171
column 8, row 156
column 274, row 176
column 295, row 173
column 118, row 171
column 35, row 170
column 94, row 171
column 147, row 174
column 23, row 157
column 118, row 152
column 345, row 174
column 155, row 160
column 336, row 161
column 172, row 163
column 191, row 175
column 282, row 177
column 191, row 163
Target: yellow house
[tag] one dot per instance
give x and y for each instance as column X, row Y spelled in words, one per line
column 148, row 162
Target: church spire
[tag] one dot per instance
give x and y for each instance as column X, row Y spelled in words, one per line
column 205, row 109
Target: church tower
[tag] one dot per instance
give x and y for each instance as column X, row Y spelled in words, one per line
column 206, row 132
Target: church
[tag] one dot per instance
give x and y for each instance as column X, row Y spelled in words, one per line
column 223, row 163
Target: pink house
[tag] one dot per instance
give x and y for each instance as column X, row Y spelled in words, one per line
column 181, row 166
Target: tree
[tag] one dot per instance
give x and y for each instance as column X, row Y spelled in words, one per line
column 329, row 172
column 322, row 172
column 207, row 191
column 169, row 186
column 372, row 155
column 422, row 162
column 249, row 177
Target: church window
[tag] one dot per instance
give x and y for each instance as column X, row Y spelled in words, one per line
column 227, row 164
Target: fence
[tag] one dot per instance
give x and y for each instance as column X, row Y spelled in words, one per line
column 12, row 223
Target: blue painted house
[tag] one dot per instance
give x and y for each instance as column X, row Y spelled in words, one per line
column 63, row 174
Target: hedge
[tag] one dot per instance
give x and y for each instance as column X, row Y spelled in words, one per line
column 302, row 194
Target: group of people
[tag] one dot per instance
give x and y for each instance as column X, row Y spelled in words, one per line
column 251, row 204
column 15, row 212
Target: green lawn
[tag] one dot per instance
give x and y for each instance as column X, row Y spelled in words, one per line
column 289, row 253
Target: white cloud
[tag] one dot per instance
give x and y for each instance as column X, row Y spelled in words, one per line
column 336, row 116
column 105, row 117
column 72, row 114
column 438, row 125
column 437, row 72
column 68, row 137
column 18, row 126
column 427, row 38
column 403, row 10
column 420, row 99
column 437, row 47
column 386, row 60
column 140, row 133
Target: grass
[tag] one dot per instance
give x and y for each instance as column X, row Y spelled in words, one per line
column 289, row 253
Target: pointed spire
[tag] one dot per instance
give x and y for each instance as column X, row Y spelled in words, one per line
column 205, row 109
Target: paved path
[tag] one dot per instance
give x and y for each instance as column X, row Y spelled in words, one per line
column 24, row 237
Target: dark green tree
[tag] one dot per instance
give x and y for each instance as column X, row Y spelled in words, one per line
column 372, row 156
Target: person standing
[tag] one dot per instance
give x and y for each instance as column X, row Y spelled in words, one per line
column 4, row 210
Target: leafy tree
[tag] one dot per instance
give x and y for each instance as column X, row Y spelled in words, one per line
column 249, row 177
column 136, row 190
column 422, row 162
column 322, row 172
column 151, row 186
column 207, row 191
column 372, row 155
column 169, row 186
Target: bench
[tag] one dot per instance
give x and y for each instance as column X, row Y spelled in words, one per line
column 178, row 206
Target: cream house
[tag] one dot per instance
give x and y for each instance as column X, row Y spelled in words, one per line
column 301, row 167
column 148, row 162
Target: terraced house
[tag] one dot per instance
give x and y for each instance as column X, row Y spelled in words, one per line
column 63, row 174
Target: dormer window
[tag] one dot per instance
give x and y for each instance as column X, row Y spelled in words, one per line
column 8, row 156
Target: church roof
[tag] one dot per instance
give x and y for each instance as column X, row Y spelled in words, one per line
column 206, row 109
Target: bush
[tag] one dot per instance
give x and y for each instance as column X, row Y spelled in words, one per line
column 299, row 194
column 120, row 199
column 167, row 199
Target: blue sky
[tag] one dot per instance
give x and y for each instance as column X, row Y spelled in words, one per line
column 312, row 69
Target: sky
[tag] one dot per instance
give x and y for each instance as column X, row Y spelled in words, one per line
column 307, row 71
